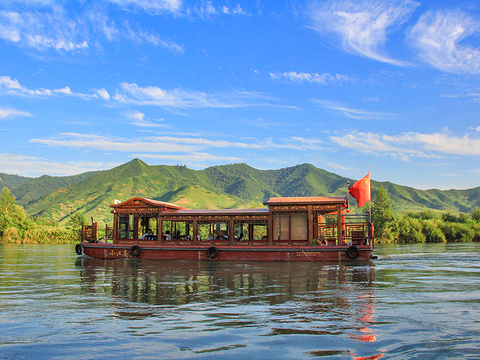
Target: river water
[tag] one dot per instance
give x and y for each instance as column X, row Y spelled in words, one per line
column 413, row 302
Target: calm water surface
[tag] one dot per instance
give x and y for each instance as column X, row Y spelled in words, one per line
column 414, row 302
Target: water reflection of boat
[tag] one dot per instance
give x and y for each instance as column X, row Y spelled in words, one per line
column 295, row 299
column 288, row 229
column 181, row 282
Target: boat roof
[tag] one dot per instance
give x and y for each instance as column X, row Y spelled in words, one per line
column 136, row 201
column 306, row 200
column 257, row 211
column 312, row 200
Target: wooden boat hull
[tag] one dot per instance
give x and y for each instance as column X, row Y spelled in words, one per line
column 226, row 253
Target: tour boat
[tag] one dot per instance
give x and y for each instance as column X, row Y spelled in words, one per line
column 287, row 229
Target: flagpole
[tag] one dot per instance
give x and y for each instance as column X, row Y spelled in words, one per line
column 370, row 189
column 370, row 212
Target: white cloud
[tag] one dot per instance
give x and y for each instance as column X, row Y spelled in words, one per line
column 53, row 29
column 191, row 158
column 151, row 6
column 178, row 98
column 103, row 94
column 438, row 37
column 150, row 95
column 170, row 144
column 352, row 113
column 205, row 9
column 43, row 30
column 9, row 86
column 34, row 166
column 97, row 142
column 237, row 10
column 409, row 145
column 321, row 79
column 4, row 113
column 139, row 119
column 362, row 25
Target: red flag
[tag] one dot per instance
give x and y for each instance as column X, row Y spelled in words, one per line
column 361, row 190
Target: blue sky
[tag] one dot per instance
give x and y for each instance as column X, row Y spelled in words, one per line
column 343, row 85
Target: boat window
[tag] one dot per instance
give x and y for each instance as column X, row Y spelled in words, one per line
column 281, row 226
column 212, row 230
column 259, row 231
column 126, row 227
column 250, row 230
column 290, row 226
column 148, row 222
column 177, row 230
column 298, row 226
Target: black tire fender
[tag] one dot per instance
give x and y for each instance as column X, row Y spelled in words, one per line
column 353, row 252
column 135, row 250
column 212, row 252
column 79, row 249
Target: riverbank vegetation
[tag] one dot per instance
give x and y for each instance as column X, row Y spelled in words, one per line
column 421, row 227
column 390, row 227
column 17, row 227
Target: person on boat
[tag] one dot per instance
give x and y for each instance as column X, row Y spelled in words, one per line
column 168, row 236
column 148, row 233
column 241, row 237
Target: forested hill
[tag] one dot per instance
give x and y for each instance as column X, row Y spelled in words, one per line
column 227, row 186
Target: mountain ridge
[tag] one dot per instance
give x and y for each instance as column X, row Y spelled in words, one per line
column 223, row 186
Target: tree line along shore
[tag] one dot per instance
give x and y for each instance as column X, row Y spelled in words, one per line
column 428, row 226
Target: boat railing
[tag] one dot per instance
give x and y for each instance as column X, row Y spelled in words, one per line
column 108, row 233
column 354, row 230
column 89, row 232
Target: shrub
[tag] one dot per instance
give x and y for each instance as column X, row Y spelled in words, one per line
column 457, row 232
column 410, row 230
column 433, row 233
column 51, row 235
column 10, row 235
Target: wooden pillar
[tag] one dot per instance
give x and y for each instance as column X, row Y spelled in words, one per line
column 115, row 227
column 231, row 231
column 195, row 230
column 309, row 225
column 339, row 225
column 270, row 228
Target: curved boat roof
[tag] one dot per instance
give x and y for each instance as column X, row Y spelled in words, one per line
column 154, row 203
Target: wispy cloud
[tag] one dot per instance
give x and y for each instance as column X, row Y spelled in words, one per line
column 5, row 113
column 139, row 119
column 171, row 144
column 9, row 86
column 362, row 25
column 438, row 37
column 359, row 114
column 43, row 30
column 192, row 158
column 409, row 145
column 98, row 142
column 131, row 93
column 316, row 78
column 35, row 166
column 151, row 6
column 52, row 28
column 205, row 9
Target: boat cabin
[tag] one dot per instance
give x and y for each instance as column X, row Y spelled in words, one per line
column 295, row 221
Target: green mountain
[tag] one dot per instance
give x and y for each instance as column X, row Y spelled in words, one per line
column 31, row 191
column 227, row 186
column 12, row 181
